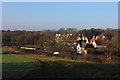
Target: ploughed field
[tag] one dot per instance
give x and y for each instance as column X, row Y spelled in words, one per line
column 22, row 65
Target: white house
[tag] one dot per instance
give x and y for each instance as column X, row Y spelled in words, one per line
column 79, row 49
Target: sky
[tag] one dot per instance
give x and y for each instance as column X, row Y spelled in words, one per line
column 55, row 15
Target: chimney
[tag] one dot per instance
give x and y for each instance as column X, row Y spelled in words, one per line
column 93, row 36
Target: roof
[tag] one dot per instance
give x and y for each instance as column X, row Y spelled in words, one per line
column 78, row 37
column 100, row 42
column 93, row 39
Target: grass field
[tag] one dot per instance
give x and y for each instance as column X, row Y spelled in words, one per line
column 13, row 67
column 41, row 66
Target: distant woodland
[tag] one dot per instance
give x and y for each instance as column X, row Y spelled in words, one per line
column 46, row 38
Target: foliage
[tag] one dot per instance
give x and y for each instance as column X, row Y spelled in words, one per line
column 113, row 44
column 98, row 51
column 91, row 32
column 45, row 40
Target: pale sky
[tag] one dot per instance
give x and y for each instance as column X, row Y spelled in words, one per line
column 54, row 15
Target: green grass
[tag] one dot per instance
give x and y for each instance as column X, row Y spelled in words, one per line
column 10, row 59
column 4, row 50
column 13, row 67
column 0, row 50
column 42, row 66
column 20, row 66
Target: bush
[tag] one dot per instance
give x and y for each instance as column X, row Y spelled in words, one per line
column 96, row 51
column 98, row 60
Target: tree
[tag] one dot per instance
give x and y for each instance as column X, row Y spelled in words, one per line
column 112, row 48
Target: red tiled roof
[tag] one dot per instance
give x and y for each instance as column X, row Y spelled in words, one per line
column 93, row 39
column 78, row 37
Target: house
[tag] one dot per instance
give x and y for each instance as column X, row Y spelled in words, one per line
column 81, row 50
column 82, row 42
column 62, row 37
column 98, row 41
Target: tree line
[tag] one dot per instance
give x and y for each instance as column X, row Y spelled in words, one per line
column 46, row 38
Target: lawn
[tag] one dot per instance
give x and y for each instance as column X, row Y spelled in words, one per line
column 4, row 50
column 41, row 66
column 13, row 67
